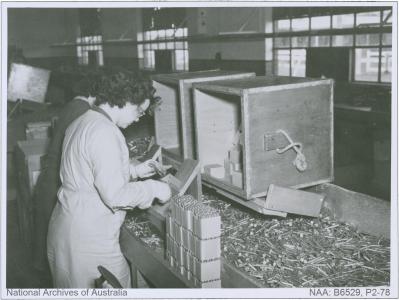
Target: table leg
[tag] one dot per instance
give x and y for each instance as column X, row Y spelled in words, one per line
column 134, row 273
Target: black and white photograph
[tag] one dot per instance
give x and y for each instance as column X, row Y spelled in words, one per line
column 199, row 150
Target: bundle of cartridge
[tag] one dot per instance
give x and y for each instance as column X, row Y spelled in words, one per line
column 193, row 233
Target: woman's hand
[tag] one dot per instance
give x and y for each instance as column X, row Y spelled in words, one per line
column 141, row 170
column 160, row 190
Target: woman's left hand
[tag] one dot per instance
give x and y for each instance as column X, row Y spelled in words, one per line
column 145, row 169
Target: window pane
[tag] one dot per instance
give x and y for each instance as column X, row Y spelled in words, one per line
column 169, row 33
column 387, row 39
column 386, row 65
column 140, row 51
column 342, row 40
column 179, row 32
column 100, row 58
column 269, row 49
column 154, row 35
column 154, row 46
column 282, row 25
column 300, row 24
column 179, row 45
column 367, row 39
column 147, row 35
column 185, row 31
column 366, row 64
column 299, row 41
column 140, row 36
column 79, row 50
column 343, row 21
column 149, row 59
column 170, row 45
column 283, row 62
column 372, row 17
column 282, row 42
column 161, row 46
column 320, row 41
column 387, row 16
column 322, row 22
column 180, row 60
column 298, row 62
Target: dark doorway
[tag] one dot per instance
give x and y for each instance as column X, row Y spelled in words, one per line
column 163, row 61
column 93, row 58
column 330, row 62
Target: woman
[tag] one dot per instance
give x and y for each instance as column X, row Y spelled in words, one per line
column 95, row 173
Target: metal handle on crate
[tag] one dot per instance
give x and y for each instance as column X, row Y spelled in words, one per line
column 300, row 159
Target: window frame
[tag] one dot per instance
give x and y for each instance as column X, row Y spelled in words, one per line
column 151, row 42
column 331, row 32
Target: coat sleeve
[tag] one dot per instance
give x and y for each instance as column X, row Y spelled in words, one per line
column 105, row 154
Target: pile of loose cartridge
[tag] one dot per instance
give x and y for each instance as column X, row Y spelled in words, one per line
column 193, row 233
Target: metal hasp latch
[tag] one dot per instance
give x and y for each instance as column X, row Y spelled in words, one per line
column 274, row 142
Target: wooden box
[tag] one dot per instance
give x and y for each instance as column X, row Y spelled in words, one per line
column 173, row 119
column 28, row 156
column 38, row 130
column 242, row 125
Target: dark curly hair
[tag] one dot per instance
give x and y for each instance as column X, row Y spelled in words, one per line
column 126, row 86
column 88, row 80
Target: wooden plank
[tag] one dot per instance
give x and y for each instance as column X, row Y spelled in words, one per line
column 186, row 104
column 217, row 120
column 176, row 77
column 166, row 117
column 305, row 115
column 367, row 214
column 255, row 204
column 153, row 153
column 187, row 173
column 233, row 278
column 293, row 201
column 188, row 180
column 258, row 84
column 224, row 185
column 152, row 264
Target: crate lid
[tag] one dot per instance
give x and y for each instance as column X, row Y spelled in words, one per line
column 38, row 124
column 192, row 76
column 258, row 84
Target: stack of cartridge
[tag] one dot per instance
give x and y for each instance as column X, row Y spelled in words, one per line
column 193, row 233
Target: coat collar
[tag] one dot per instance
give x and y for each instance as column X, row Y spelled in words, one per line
column 101, row 111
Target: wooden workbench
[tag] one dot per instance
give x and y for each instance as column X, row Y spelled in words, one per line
column 153, row 266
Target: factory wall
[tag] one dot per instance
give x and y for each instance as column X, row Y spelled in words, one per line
column 119, row 24
column 34, row 30
column 237, row 54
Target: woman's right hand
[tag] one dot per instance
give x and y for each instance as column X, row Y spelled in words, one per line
column 162, row 191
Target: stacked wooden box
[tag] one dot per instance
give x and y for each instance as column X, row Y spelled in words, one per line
column 257, row 131
column 38, row 130
column 193, row 232
column 174, row 124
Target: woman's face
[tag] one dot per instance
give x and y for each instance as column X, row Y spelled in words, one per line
column 131, row 113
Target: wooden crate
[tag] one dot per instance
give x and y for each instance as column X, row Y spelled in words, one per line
column 38, row 130
column 174, row 119
column 28, row 156
column 248, row 115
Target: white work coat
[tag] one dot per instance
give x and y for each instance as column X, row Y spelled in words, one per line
column 84, row 227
